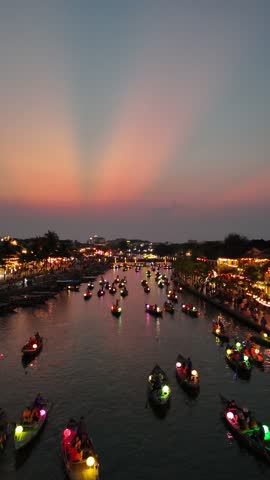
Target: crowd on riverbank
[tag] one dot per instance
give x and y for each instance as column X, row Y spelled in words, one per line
column 236, row 299
column 45, row 281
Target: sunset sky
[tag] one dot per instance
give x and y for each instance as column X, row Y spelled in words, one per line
column 135, row 118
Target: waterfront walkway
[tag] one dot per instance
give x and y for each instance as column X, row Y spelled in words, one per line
column 241, row 315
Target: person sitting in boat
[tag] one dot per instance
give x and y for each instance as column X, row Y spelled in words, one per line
column 27, row 416
column 184, row 368
column 189, row 366
column 37, row 337
column 221, row 326
column 77, row 443
column 75, row 455
column 260, row 432
column 35, row 414
column 242, row 422
column 236, row 355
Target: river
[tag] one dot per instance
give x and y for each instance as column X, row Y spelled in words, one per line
column 96, row 365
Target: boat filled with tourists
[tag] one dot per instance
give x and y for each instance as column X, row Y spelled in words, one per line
column 31, row 422
column 246, row 429
column 153, row 310
column 116, row 310
column 159, row 391
column 190, row 309
column 238, row 361
column 78, row 452
column 168, row 307
column 186, row 375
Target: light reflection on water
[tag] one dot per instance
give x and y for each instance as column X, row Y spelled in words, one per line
column 96, row 365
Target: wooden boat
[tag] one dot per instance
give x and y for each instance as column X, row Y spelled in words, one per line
column 124, row 292
column 33, row 347
column 112, row 290
column 26, row 431
column 253, row 353
column 73, row 288
column 168, row 307
column 256, row 356
column 87, row 295
column 116, row 310
column 90, row 286
column 101, row 292
column 3, row 429
column 86, row 467
column 144, row 283
column 146, row 289
column 172, row 296
column 261, row 338
column 190, row 309
column 159, row 391
column 153, row 310
column 216, row 330
column 246, row 430
column 189, row 382
column 238, row 361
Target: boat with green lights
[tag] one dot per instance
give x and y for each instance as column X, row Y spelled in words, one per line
column 246, row 429
column 32, row 421
column 238, row 361
column 78, row 452
column 159, row 391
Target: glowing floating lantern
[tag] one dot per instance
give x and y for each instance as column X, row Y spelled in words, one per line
column 194, row 372
column 42, row 412
column 18, row 429
column 67, row 433
column 230, row 415
column 90, row 461
column 34, row 345
column 165, row 389
column 178, row 364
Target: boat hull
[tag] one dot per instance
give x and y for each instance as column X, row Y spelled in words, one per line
column 30, row 432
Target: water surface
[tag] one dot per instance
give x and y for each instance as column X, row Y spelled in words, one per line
column 96, row 365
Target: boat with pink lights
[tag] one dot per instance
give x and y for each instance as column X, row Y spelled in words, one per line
column 31, row 423
column 187, row 377
column 33, row 346
column 246, row 429
column 78, row 452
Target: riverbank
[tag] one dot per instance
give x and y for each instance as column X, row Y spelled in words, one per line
column 36, row 289
column 224, row 307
